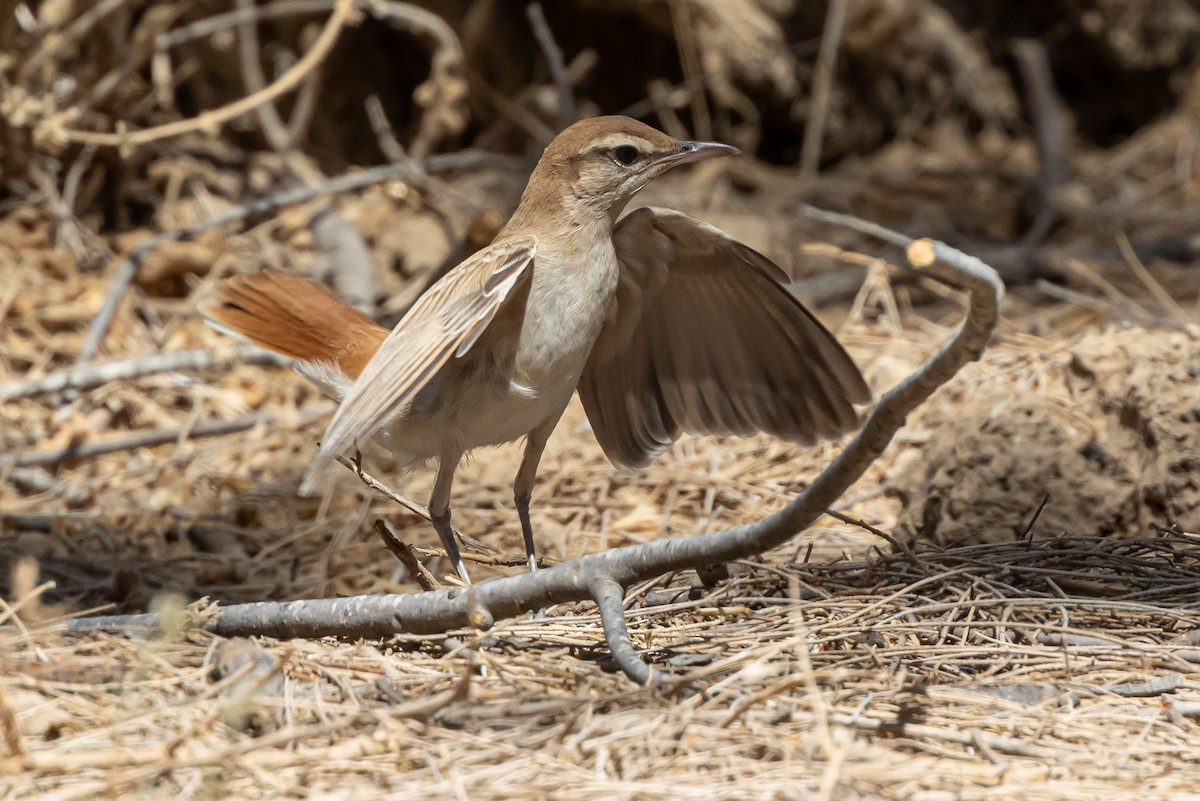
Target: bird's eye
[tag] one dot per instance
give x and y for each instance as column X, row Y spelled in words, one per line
column 626, row 154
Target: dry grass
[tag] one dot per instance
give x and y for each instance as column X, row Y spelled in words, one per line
column 948, row 676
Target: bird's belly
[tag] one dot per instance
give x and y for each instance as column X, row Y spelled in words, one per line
column 516, row 377
column 458, row 416
column 510, row 416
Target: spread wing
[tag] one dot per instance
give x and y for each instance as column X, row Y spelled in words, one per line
column 705, row 339
column 444, row 323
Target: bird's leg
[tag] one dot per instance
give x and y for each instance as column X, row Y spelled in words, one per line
column 439, row 513
column 523, row 485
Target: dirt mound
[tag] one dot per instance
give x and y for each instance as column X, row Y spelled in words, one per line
column 1110, row 443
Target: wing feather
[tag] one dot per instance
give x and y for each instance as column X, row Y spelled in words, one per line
column 443, row 324
column 705, row 339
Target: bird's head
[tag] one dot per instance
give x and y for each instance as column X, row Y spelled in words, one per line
column 597, row 164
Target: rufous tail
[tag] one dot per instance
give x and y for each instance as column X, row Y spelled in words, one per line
column 296, row 318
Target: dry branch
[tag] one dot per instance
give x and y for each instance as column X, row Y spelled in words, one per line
column 598, row 576
column 442, row 97
column 407, row 556
column 93, row 375
column 211, row 120
column 150, row 439
column 218, row 22
column 355, row 466
column 818, row 107
column 555, row 62
column 1053, row 134
column 346, row 253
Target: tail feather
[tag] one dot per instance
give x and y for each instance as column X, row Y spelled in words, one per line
column 296, row 318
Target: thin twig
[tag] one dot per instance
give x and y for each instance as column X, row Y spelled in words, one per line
column 211, row 120
column 407, row 556
column 970, row 739
column 1034, row 518
column 269, row 121
column 231, row 19
column 391, row 148
column 162, row 436
column 1156, row 289
column 90, row 376
column 488, row 560
column 862, row 226
column 355, row 466
column 389, row 145
column 822, row 92
column 1053, row 134
column 556, row 63
column 304, row 107
column 899, row 545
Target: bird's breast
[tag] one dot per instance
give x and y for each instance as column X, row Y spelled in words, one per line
column 569, row 299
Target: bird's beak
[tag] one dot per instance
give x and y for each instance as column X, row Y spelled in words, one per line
column 690, row 151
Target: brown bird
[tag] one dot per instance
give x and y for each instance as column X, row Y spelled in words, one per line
column 663, row 323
